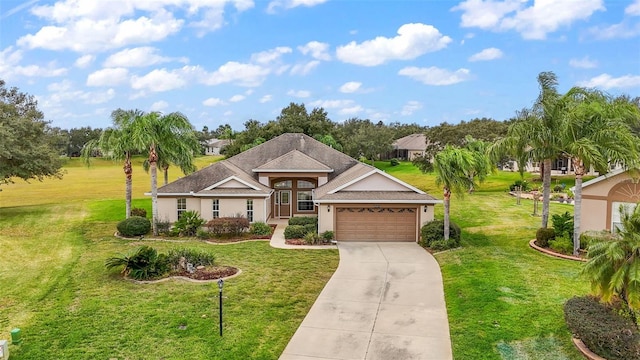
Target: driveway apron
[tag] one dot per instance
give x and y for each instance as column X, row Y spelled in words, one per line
column 384, row 302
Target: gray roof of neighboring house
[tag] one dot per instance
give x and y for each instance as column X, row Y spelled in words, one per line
column 411, row 142
column 294, row 160
column 218, row 142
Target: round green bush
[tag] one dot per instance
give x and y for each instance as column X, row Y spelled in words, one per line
column 295, row 232
column 260, row 228
column 543, row 235
column 134, row 226
column 432, row 233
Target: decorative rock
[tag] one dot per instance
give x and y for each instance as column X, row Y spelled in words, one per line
column 200, row 267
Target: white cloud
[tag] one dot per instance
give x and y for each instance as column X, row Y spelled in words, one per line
column 487, row 54
column 606, row 81
column 213, row 102
column 160, row 80
column 533, row 22
column 84, row 61
column 138, row 57
column 351, row 110
column 265, row 99
column 410, row 107
column 584, row 63
column 316, row 49
column 270, row 56
column 89, row 25
column 290, row 4
column 436, row 76
column 11, row 66
column 413, row 40
column 633, row 9
column 299, row 93
column 623, row 30
column 228, row 113
column 108, row 77
column 237, row 98
column 344, row 107
column 159, row 105
column 249, row 75
column 305, row 68
column 350, row 87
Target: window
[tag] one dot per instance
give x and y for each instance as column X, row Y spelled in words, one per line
column 305, row 202
column 250, row 210
column 618, row 209
column 304, row 184
column 286, row 184
column 182, row 207
column 216, row 209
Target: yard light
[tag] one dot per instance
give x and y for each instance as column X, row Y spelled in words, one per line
column 328, row 208
column 220, row 285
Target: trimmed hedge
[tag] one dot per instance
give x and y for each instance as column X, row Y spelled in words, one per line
column 139, row 212
column 543, row 235
column 295, row 232
column 432, row 235
column 260, row 228
column 134, row 226
column 303, row 220
column 600, row 328
column 228, row 225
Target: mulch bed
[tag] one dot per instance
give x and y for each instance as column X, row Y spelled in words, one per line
column 208, row 273
column 301, row 242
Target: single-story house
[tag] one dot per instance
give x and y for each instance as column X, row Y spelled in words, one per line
column 295, row 175
column 214, row 146
column 602, row 197
column 408, row 147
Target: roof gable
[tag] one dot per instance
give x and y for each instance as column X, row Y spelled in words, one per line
column 232, row 182
column 294, row 161
column 375, row 180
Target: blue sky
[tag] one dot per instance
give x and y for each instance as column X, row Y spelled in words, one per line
column 421, row 62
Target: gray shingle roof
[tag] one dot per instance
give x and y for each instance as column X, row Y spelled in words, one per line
column 351, row 174
column 382, row 196
column 411, row 142
column 294, row 160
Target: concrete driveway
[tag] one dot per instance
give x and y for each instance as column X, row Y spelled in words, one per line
column 384, row 302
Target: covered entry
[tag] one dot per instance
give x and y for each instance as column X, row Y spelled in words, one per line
column 376, row 223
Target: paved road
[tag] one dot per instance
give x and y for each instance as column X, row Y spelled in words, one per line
column 384, row 302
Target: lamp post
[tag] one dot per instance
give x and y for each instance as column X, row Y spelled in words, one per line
column 220, row 285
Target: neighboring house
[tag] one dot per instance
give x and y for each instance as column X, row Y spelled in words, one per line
column 295, row 175
column 213, row 146
column 602, row 197
column 408, row 147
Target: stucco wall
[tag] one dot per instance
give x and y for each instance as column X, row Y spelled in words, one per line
column 427, row 216
column 594, row 215
column 325, row 218
column 167, row 208
column 603, row 187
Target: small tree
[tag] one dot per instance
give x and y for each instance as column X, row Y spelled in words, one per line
column 614, row 266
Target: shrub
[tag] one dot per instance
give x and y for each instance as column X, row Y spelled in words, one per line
column 522, row 183
column 303, row 220
column 139, row 212
column 134, row 226
column 311, row 228
column 561, row 244
column 164, row 227
column 601, row 329
column 592, row 236
column 543, row 235
column 143, row 264
column 235, row 225
column 394, row 162
column 311, row 238
column 295, row 232
column 260, row 228
column 195, row 257
column 563, row 224
column 558, row 188
column 440, row 245
column 327, row 235
column 203, row 234
column 434, row 231
column 188, row 224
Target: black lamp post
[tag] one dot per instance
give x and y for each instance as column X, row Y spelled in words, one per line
column 220, row 285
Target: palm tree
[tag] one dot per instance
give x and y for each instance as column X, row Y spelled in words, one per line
column 165, row 158
column 597, row 134
column 116, row 143
column 483, row 166
column 452, row 166
column 171, row 136
column 613, row 267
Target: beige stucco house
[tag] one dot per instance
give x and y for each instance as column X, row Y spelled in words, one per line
column 408, row 147
column 602, row 197
column 295, row 175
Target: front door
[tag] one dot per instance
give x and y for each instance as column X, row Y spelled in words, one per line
column 283, row 204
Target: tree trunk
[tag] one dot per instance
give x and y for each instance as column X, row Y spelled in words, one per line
column 153, row 169
column 579, row 169
column 447, row 198
column 166, row 174
column 546, row 191
column 128, row 173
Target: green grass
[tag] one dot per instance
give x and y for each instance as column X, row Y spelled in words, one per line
column 504, row 300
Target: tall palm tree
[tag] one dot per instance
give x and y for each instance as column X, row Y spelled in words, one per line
column 166, row 158
column 613, row 267
column 452, row 166
column 597, row 134
column 483, row 166
column 174, row 134
column 116, row 143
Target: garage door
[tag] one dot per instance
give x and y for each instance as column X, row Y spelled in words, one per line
column 376, row 223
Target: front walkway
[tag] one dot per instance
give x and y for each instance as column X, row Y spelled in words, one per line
column 278, row 241
column 385, row 301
